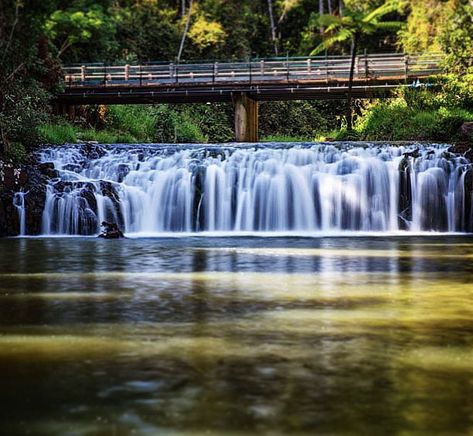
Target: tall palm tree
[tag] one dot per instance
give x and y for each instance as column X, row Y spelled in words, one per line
column 351, row 27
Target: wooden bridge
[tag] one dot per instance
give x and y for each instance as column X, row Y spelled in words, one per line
column 245, row 83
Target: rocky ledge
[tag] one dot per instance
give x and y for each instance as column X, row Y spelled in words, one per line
column 30, row 179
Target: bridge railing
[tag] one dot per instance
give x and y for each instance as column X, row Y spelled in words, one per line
column 373, row 66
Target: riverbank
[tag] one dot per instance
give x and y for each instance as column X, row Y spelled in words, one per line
column 392, row 120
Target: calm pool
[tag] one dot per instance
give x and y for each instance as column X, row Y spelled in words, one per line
column 233, row 336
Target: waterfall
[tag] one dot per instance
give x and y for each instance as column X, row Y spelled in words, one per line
column 19, row 203
column 258, row 188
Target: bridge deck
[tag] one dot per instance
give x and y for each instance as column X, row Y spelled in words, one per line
column 296, row 78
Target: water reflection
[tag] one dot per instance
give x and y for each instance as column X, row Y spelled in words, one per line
column 236, row 336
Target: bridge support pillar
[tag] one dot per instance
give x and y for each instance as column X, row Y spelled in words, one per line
column 246, row 118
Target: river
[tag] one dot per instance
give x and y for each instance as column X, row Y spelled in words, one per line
column 236, row 335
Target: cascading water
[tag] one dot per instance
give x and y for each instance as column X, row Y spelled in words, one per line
column 272, row 188
column 19, row 203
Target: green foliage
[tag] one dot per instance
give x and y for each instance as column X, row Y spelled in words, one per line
column 175, row 127
column 147, row 31
column 397, row 121
column 214, row 120
column 457, row 37
column 424, row 22
column 355, row 23
column 137, row 121
column 206, row 34
column 83, row 33
column 300, row 119
column 16, row 153
column 23, row 109
column 61, row 133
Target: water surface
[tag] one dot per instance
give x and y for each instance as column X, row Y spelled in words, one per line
column 243, row 335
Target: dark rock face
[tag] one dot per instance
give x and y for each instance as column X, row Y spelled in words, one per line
column 405, row 196
column 111, row 231
column 30, row 179
column 466, row 131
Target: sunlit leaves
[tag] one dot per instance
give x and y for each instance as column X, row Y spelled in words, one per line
column 204, row 33
column 69, row 27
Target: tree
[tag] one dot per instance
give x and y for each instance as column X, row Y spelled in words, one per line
column 72, row 27
column 24, row 95
column 351, row 27
column 456, row 38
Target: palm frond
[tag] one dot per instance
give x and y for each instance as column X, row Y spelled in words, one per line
column 389, row 25
column 341, row 36
column 326, row 20
column 381, row 11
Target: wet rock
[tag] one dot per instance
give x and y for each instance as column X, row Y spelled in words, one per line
column 88, row 194
column 108, row 190
column 111, row 231
column 414, row 153
column 48, row 170
column 469, row 155
column 31, row 180
column 459, row 148
column 122, row 172
column 405, row 194
column 76, row 168
column 92, row 150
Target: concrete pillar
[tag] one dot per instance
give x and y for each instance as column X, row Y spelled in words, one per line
column 246, row 118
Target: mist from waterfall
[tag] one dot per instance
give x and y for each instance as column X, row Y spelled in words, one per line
column 313, row 188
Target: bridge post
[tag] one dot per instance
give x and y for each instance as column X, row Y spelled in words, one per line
column 246, row 117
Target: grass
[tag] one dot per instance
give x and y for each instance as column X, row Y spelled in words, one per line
column 58, row 133
column 396, row 121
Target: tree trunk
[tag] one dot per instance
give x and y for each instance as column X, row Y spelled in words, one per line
column 183, row 8
column 340, row 7
column 330, row 8
column 186, row 29
column 9, row 40
column 273, row 27
column 321, row 12
column 354, row 47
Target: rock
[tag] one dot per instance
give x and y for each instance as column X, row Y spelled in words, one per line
column 459, row 148
column 76, row 168
column 469, row 155
column 466, row 131
column 111, row 231
column 48, row 170
column 415, row 153
column 93, row 151
column 122, row 170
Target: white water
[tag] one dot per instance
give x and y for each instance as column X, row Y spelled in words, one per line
column 301, row 189
column 19, row 203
